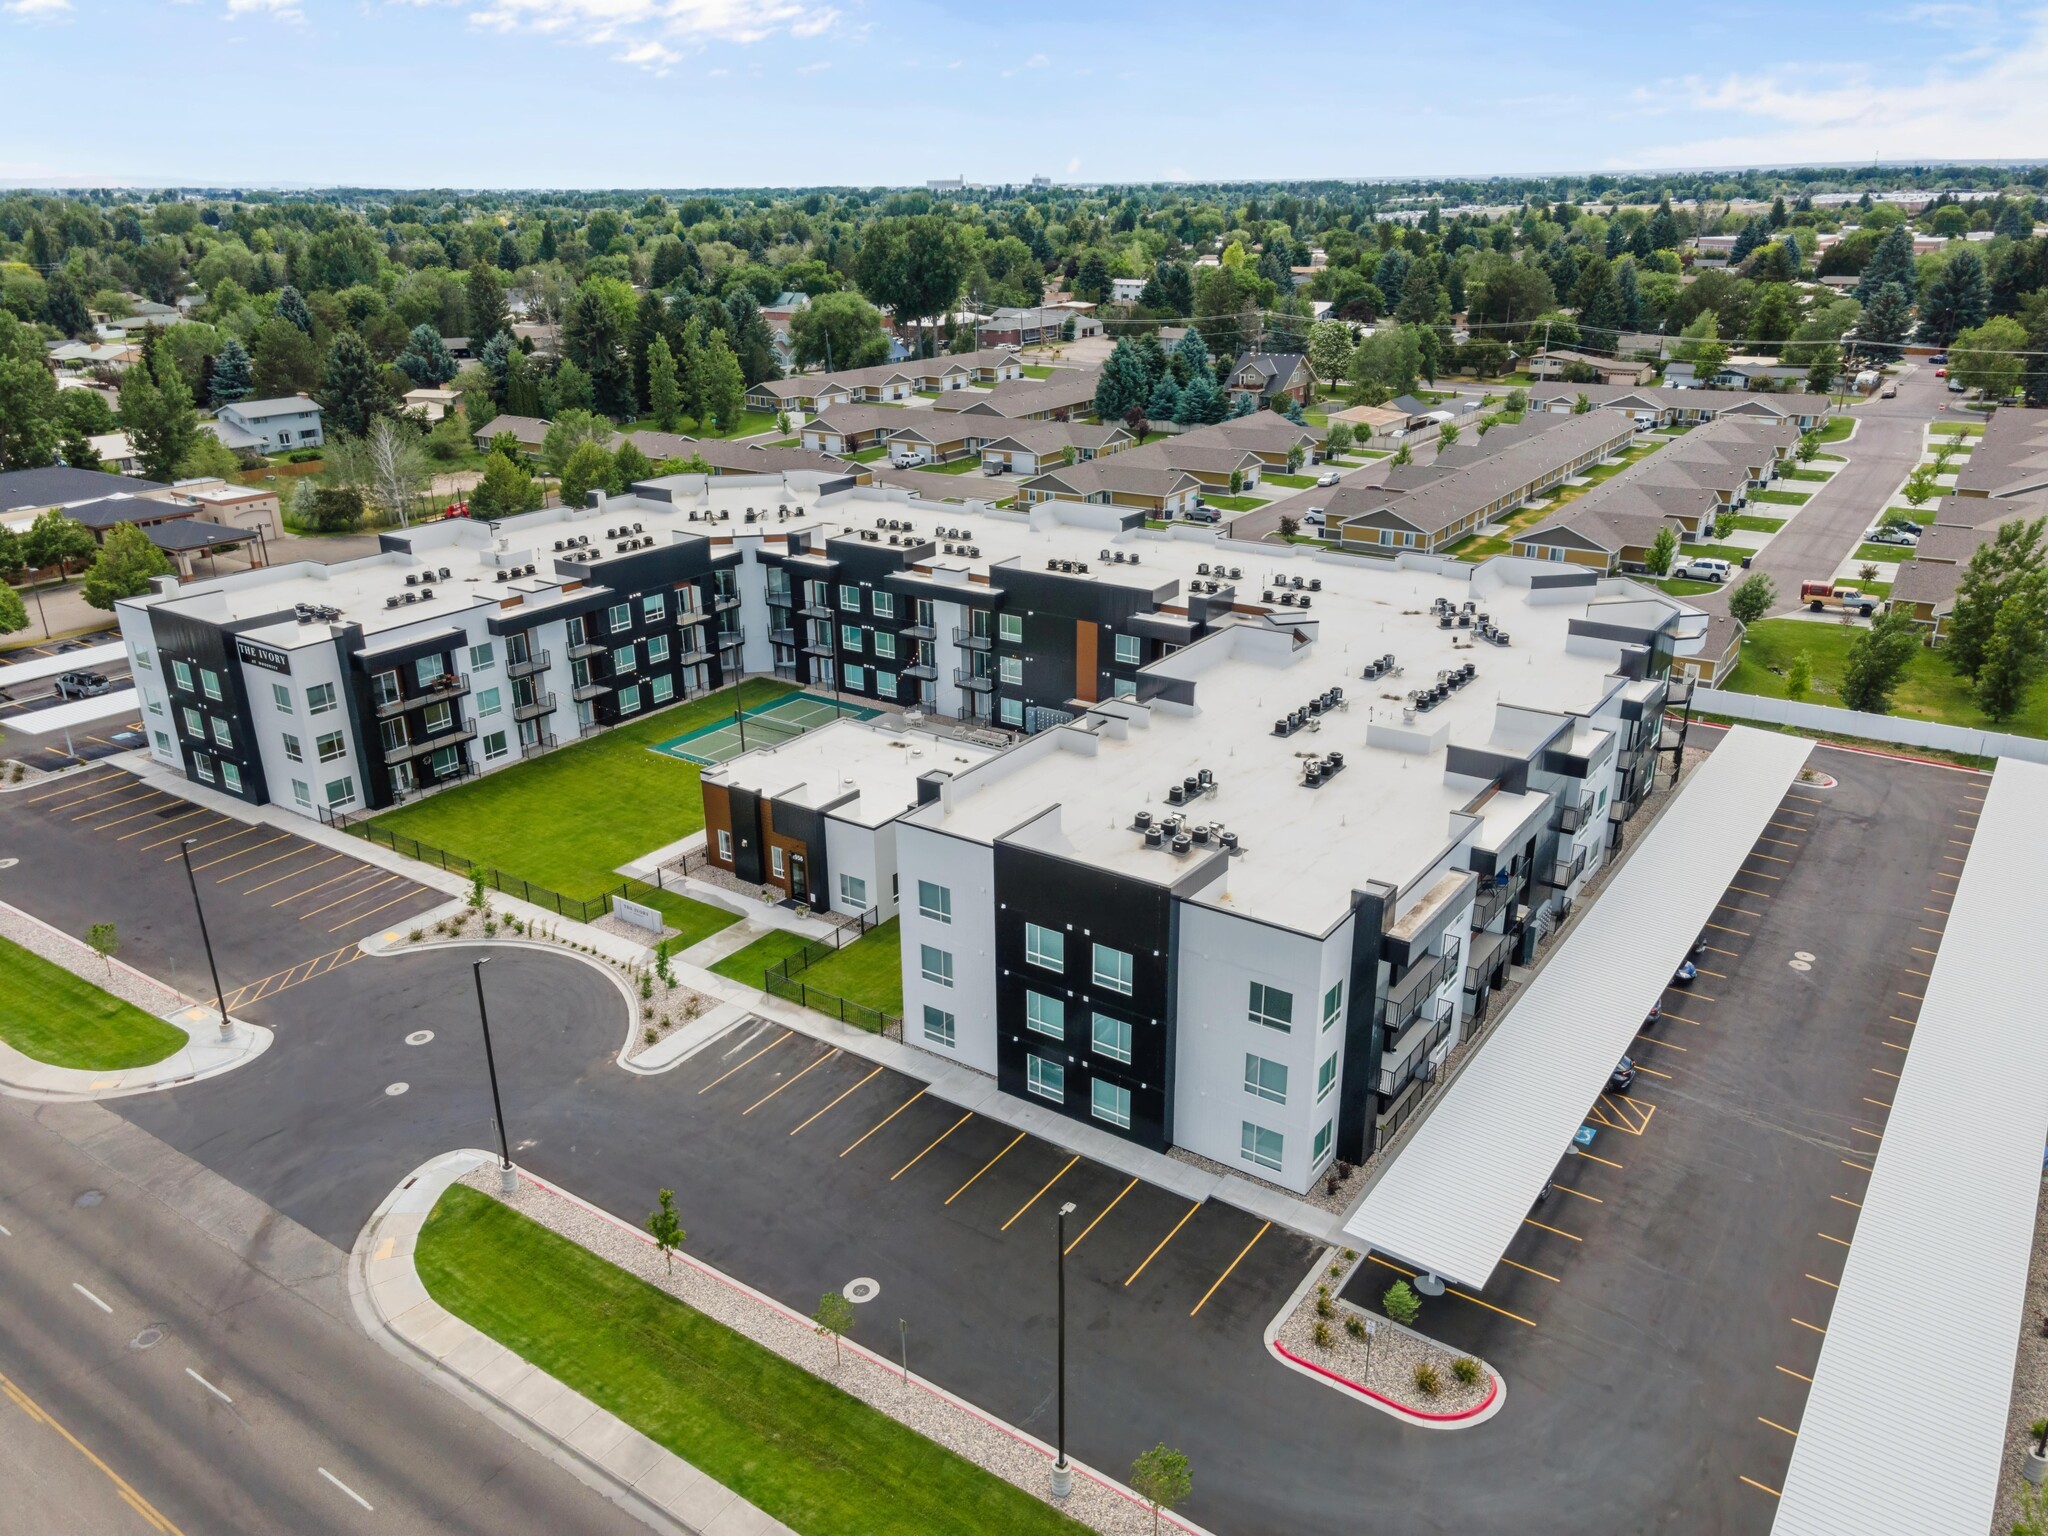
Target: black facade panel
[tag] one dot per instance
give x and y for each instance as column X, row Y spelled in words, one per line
column 749, row 858
column 807, row 826
column 1357, row 1090
column 1089, row 906
column 201, row 644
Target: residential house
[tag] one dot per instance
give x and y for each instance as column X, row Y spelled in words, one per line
column 1267, row 377
column 1040, row 445
column 115, row 451
column 270, row 426
column 528, row 431
column 1153, row 490
column 174, row 526
column 1273, row 438
column 432, row 404
column 1126, row 290
column 1374, row 426
column 849, row 429
column 1653, row 406
column 1036, row 326
column 25, row 492
column 1556, row 362
column 1211, row 462
column 1926, row 584
column 2010, row 458
column 941, row 436
column 1715, row 660
column 1069, row 393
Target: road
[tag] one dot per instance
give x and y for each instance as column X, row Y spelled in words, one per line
column 179, row 1358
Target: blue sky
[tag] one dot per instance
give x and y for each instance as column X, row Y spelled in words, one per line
column 683, row 93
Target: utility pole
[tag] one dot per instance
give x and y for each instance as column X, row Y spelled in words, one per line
column 1062, row 1474
column 508, row 1178
column 227, row 1030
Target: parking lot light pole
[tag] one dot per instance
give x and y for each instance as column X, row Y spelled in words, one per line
column 1062, row 1474
column 508, row 1178
column 227, row 1029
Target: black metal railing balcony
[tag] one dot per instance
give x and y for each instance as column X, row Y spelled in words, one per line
column 1572, row 815
column 1408, row 1057
column 596, row 688
column 968, row 640
column 581, row 650
column 920, row 632
column 977, row 681
column 406, row 751
column 538, row 745
column 1491, row 902
column 527, row 665
column 1414, row 988
column 449, row 685
column 533, row 708
column 782, row 637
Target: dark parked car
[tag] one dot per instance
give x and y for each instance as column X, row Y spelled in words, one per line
column 83, row 685
column 1624, row 1076
column 1203, row 515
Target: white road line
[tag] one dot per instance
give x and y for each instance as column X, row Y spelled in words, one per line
column 216, row 1391
column 344, row 1487
column 5, row 1233
column 88, row 1295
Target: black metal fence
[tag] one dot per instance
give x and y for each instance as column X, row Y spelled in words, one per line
column 783, row 980
column 511, row 885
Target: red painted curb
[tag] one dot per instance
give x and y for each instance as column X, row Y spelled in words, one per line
column 1492, row 1391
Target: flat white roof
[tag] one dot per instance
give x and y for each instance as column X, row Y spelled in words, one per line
column 875, row 762
column 1456, row 1194
column 66, row 717
column 108, row 655
column 1904, row 1430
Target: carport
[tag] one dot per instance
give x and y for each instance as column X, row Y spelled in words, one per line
column 88, row 658
column 1457, row 1193
column 1904, row 1429
column 65, row 718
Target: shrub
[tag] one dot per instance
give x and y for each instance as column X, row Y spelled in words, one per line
column 649, row 1036
column 1325, row 1337
column 1402, row 1304
column 415, row 936
column 1355, row 1326
column 1427, row 1381
column 1466, row 1369
column 646, row 988
column 1324, row 1306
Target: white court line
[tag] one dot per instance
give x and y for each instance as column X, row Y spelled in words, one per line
column 88, row 1295
column 216, row 1391
column 344, row 1487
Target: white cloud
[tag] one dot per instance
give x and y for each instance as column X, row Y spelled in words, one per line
column 36, row 10
column 1037, row 61
column 1074, row 165
column 814, row 69
column 277, row 10
column 657, row 34
column 1996, row 109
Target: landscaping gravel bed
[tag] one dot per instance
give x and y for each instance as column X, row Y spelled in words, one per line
column 123, row 981
column 1384, row 1361
column 983, row 1441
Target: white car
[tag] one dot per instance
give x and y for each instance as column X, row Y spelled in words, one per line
column 1327, row 477
column 1313, row 518
column 1702, row 569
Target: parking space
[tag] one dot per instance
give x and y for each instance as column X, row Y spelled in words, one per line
column 1680, row 1274
column 281, row 909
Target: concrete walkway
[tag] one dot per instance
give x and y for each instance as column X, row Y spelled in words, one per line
column 645, row 1477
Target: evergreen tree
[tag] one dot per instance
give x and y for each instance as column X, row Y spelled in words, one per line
column 594, row 339
column 126, row 565
column 76, row 449
column 1956, row 301
column 1598, row 301
column 753, row 344
column 545, row 251
column 233, row 374
column 664, row 394
column 1886, row 318
column 1752, row 236
column 568, row 390
column 505, row 489
column 589, row 469
column 1240, row 405
column 485, row 304
column 291, row 307
column 351, row 386
column 425, row 359
column 722, row 391
column 1877, row 660
column 629, row 466
column 1190, row 359
column 1122, row 385
column 522, row 385
column 495, row 358
column 1627, row 290
column 2018, row 648
column 508, row 253
column 63, row 308
column 1164, row 404
column 1890, row 262
column 2000, row 572
column 1196, row 401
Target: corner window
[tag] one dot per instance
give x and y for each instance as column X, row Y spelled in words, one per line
column 1333, row 1004
column 1323, row 1139
column 853, row 890
column 320, row 699
column 1046, row 1078
column 935, row 965
column 934, row 902
column 1045, row 1015
column 1109, row 1103
column 1326, row 1079
column 1266, row 1079
column 1113, row 970
column 1272, row 1007
column 1128, row 649
column 1010, row 628
column 939, row 1027
column 1111, row 1037
column 1258, row 1145
column 281, row 696
column 1045, row 947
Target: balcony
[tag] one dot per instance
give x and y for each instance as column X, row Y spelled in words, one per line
column 692, row 616
column 817, row 647
column 528, row 665
column 968, row 640
column 449, row 685
column 582, row 650
column 692, row 655
column 406, row 751
column 1408, row 995
column 595, row 688
column 781, row 598
column 1407, row 1057
column 782, row 637
column 1492, row 901
column 728, row 638
column 541, row 743
column 1572, row 816
column 815, row 611
column 923, row 671
column 975, row 681
column 920, row 632
column 724, row 601
column 533, row 709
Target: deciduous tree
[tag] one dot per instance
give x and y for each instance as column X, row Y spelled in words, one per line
column 126, row 565
column 1878, row 658
column 838, row 330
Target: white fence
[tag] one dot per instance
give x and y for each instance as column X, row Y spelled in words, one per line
column 1888, row 728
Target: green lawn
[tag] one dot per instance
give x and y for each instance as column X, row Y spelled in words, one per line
column 1882, row 552
column 867, row 971
column 750, row 423
column 1231, row 503
column 748, row 965
column 966, row 464
column 1957, row 429
column 569, row 819
column 1734, row 554
column 56, row 1017
column 1292, row 482
column 810, row 1455
column 1837, row 428
column 1932, row 690
column 1679, row 588
column 1746, row 522
column 870, row 455
column 1037, row 371
column 1782, row 498
column 1806, row 474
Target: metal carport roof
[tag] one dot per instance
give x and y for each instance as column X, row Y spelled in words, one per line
column 1904, row 1429
column 1456, row 1194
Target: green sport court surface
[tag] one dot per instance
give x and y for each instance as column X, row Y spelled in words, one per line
column 787, row 717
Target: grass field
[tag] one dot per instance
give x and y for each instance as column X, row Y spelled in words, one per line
column 1783, row 498
column 1732, row 553
column 867, row 971
column 53, row 1016
column 1745, row 522
column 1882, row 552
column 960, row 466
column 1837, row 428
column 1806, row 474
column 747, row 965
column 1037, row 371
column 1681, row 588
column 1292, row 482
column 569, row 819
column 790, row 1443
column 1231, row 503
column 1932, row 690
column 1957, row 429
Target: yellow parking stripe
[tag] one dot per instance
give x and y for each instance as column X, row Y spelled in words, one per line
column 270, row 842
column 1233, row 1265
column 190, row 832
column 864, row 1135
column 1042, row 1189
column 167, row 821
column 863, row 1082
column 787, row 1081
column 71, row 788
column 949, row 1130
column 1103, row 1212
column 290, row 874
column 362, row 890
column 1163, row 1242
column 363, row 917
column 984, row 1168
column 755, row 1057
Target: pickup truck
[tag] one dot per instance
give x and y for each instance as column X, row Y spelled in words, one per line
column 1822, row 595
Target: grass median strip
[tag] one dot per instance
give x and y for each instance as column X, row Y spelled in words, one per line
column 790, row 1443
column 61, row 1019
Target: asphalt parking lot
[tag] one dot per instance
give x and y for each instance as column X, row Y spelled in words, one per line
column 281, row 908
column 1676, row 1286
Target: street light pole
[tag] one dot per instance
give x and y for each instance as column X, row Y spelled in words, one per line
column 227, row 1030
column 1062, row 1474
column 508, row 1180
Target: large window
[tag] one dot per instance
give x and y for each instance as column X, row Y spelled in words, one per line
column 438, row 716
column 1045, row 947
column 885, row 682
column 885, row 605
column 849, row 637
column 1326, row 1079
column 885, row 644
column 488, row 703
column 1333, row 1004
column 496, row 746
column 1013, row 711
column 653, row 606
column 1267, row 1079
column 625, row 659
column 281, row 696
column 1272, row 1007
column 664, row 688
column 853, row 890
column 1323, row 1138
column 1010, row 669
column 619, row 616
column 1112, row 1037
column 332, row 747
column 629, row 700
column 209, row 682
column 320, row 699
column 856, row 679
column 429, row 668
column 293, row 750
column 935, row 965
column 934, row 902
column 1010, row 628
column 938, row 1026
column 481, row 656
column 849, row 599
column 1046, row 1015
column 1258, row 1145
column 223, row 733
column 657, row 649
column 1109, row 1103
column 1112, row 970
column 1046, row 1078
column 340, row 792
column 302, row 794
column 182, row 675
column 231, row 776
column 1129, row 649
column 195, row 722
